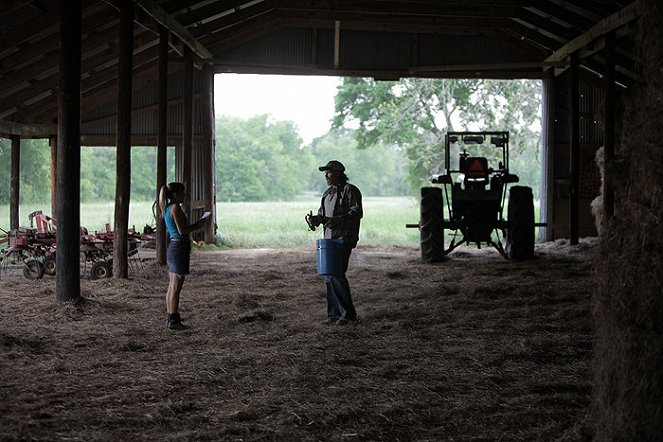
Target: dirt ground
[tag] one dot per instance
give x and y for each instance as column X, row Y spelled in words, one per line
column 473, row 348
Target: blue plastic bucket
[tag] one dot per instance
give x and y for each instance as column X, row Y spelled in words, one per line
column 330, row 256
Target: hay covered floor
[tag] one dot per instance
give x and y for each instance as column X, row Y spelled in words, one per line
column 474, row 348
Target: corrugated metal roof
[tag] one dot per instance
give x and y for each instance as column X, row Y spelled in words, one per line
column 383, row 39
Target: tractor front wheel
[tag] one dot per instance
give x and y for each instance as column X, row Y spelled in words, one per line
column 431, row 225
column 520, row 231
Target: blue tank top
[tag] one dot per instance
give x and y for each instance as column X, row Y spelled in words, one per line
column 170, row 224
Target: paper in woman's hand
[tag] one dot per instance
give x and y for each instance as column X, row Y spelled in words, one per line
column 205, row 215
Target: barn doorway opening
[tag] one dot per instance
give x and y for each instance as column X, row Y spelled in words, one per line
column 273, row 130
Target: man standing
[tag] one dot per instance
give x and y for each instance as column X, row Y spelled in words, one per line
column 340, row 212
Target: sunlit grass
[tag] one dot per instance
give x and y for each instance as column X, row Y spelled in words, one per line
column 94, row 216
column 251, row 225
column 261, row 224
column 265, row 224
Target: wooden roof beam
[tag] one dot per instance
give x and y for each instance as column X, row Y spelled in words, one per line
column 47, row 87
column 437, row 9
column 617, row 20
column 393, row 22
column 11, row 128
column 9, row 6
column 209, row 29
column 213, row 11
column 564, row 15
column 174, row 27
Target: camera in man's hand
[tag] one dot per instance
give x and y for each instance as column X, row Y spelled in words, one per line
column 313, row 221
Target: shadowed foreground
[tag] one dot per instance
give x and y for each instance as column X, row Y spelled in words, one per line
column 472, row 348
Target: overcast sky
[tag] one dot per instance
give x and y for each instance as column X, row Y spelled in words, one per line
column 308, row 101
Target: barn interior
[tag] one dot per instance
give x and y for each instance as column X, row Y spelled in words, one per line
column 140, row 73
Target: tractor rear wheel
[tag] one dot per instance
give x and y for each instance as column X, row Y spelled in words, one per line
column 520, row 231
column 33, row 269
column 431, row 225
column 101, row 269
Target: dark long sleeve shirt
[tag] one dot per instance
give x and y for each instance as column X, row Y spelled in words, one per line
column 347, row 213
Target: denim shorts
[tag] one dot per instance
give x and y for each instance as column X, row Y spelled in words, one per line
column 178, row 256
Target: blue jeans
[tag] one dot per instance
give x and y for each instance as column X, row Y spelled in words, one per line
column 339, row 300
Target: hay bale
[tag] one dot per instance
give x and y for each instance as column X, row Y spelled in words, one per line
column 597, row 203
column 628, row 306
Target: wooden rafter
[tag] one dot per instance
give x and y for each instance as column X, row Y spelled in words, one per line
column 9, row 128
column 175, row 27
column 613, row 22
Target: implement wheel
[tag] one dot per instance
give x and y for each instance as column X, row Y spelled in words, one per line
column 431, row 225
column 49, row 265
column 520, row 233
column 101, row 269
column 33, row 269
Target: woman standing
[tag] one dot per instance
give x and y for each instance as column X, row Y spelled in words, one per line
column 179, row 248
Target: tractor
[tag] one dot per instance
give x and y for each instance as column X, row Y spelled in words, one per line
column 475, row 196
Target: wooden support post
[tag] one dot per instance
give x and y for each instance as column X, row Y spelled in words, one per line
column 162, row 147
column 574, row 147
column 337, row 44
column 68, row 215
column 609, row 128
column 53, row 142
column 209, row 156
column 547, row 156
column 123, row 158
column 14, row 190
column 187, row 129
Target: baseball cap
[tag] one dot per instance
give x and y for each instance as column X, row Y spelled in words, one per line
column 333, row 165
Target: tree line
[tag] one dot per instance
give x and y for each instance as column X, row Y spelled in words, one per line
column 389, row 135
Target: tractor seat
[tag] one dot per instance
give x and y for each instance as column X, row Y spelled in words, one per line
column 476, row 172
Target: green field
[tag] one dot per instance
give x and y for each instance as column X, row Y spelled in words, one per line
column 263, row 225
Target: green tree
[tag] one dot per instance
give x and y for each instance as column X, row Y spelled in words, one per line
column 143, row 173
column 415, row 113
column 377, row 172
column 97, row 174
column 35, row 171
column 259, row 160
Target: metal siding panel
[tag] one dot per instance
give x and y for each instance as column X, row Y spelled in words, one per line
column 591, row 102
column 324, row 52
column 284, row 47
column 437, row 49
column 175, row 119
column 374, row 50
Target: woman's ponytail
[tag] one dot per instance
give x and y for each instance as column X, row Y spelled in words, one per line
column 163, row 199
column 166, row 194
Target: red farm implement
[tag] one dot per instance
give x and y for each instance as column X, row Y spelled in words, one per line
column 35, row 249
column 97, row 250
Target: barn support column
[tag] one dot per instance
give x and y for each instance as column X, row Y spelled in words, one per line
column 14, row 191
column 187, row 129
column 608, row 190
column 547, row 157
column 53, row 143
column 162, row 147
column 123, row 157
column 574, row 146
column 209, row 176
column 68, row 215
